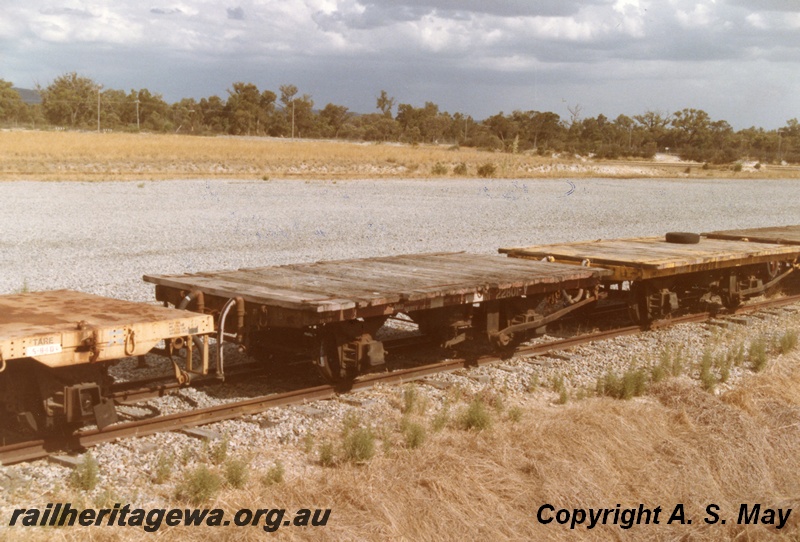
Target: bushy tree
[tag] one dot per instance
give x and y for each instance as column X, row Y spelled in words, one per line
column 12, row 108
column 70, row 100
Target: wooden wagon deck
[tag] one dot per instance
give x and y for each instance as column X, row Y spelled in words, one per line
column 307, row 294
column 785, row 235
column 64, row 327
column 651, row 257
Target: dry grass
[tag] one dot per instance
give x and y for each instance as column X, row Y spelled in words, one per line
column 39, row 155
column 678, row 444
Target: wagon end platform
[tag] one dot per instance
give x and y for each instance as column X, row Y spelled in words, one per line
column 64, row 327
column 653, row 257
column 785, row 235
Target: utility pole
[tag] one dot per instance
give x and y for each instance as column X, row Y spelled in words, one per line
column 137, row 114
column 99, row 87
column 292, row 119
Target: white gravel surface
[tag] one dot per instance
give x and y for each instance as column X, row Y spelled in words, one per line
column 101, row 237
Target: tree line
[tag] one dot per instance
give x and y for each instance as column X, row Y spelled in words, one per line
column 77, row 102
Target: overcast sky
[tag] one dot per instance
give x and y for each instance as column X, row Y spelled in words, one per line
column 739, row 60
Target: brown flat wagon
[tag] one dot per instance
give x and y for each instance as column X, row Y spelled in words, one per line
column 335, row 308
column 784, row 235
column 662, row 277
column 56, row 347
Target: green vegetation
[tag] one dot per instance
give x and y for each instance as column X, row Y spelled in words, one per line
column 359, row 444
column 86, row 475
column 236, row 472
column 71, row 101
column 327, row 457
column 274, row 475
column 632, row 383
column 476, row 416
column 413, row 432
column 218, row 452
column 757, row 354
column 162, row 470
column 787, row 341
column 198, row 485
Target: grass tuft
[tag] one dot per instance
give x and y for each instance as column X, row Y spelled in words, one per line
column 198, row 486
column 476, row 416
column 757, row 354
column 236, row 473
column 413, row 433
column 274, row 475
column 86, row 475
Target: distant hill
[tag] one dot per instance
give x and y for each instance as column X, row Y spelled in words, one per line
column 28, row 96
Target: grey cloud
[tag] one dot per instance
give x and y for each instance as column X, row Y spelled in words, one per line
column 166, row 11
column 381, row 13
column 236, row 13
column 67, row 11
column 767, row 5
column 509, row 8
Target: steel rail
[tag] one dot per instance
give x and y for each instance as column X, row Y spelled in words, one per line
column 28, row 451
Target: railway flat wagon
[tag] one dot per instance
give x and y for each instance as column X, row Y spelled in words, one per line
column 662, row 276
column 784, row 235
column 56, row 348
column 334, row 309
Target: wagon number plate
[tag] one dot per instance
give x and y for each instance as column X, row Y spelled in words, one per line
column 42, row 350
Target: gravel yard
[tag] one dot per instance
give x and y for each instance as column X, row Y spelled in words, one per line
column 101, row 237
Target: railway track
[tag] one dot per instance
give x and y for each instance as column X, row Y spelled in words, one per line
column 84, row 439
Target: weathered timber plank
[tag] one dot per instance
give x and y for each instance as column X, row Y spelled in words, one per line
column 316, row 286
column 344, row 284
column 655, row 253
column 265, row 296
column 787, row 235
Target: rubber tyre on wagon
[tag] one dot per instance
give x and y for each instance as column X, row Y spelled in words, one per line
column 682, row 238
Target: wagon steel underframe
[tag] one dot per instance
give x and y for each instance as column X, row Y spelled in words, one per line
column 343, row 341
column 659, row 297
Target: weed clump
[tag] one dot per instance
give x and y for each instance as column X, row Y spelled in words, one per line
column 440, row 420
column 632, row 383
column 359, row 444
column 327, row 457
column 787, row 342
column 274, row 475
column 236, row 473
column 487, row 170
column 476, row 416
column 218, row 452
column 198, row 486
column 515, row 414
column 757, row 354
column 162, row 470
column 86, row 474
column 707, row 379
column 413, row 433
column 409, row 399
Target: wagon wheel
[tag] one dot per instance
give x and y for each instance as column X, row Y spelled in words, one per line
column 328, row 362
column 638, row 308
